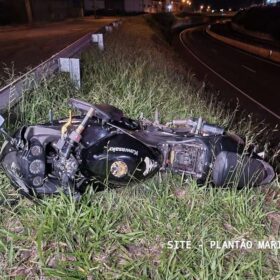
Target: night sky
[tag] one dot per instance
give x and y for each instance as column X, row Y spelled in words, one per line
column 215, row 4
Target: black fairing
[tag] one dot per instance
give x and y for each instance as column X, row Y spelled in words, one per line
column 106, row 149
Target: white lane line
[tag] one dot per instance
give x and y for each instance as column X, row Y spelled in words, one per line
column 249, row 69
column 225, row 80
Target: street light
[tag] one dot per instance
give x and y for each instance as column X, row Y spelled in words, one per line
column 169, row 7
column 187, row 2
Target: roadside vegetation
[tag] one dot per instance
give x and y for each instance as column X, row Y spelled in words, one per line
column 163, row 22
column 124, row 233
column 260, row 19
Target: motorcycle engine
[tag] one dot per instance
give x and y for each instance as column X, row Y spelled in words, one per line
column 188, row 158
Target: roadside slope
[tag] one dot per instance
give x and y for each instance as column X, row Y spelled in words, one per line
column 124, row 233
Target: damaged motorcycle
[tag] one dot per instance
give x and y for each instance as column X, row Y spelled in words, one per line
column 103, row 147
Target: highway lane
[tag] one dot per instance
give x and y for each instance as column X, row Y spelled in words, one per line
column 24, row 47
column 236, row 74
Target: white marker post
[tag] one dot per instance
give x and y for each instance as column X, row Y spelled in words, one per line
column 109, row 28
column 72, row 66
column 98, row 38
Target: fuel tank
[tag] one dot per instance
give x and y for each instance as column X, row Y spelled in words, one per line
column 117, row 158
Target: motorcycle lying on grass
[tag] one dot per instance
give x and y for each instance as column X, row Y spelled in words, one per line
column 103, row 146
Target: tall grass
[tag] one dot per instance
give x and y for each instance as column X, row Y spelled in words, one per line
column 124, row 233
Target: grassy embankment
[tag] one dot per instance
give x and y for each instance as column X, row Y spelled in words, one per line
column 260, row 19
column 123, row 233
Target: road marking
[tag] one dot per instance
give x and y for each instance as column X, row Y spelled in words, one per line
column 249, row 69
column 224, row 79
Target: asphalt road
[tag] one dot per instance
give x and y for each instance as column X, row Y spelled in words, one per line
column 23, row 47
column 235, row 74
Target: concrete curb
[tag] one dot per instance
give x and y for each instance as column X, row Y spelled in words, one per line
column 266, row 53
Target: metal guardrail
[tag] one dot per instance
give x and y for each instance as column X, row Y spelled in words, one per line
column 64, row 61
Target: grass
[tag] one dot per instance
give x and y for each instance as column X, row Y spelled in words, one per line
column 124, row 233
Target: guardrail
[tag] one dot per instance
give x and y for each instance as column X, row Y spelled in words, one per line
column 67, row 60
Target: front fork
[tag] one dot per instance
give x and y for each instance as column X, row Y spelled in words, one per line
column 66, row 163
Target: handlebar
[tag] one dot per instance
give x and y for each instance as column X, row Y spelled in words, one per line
column 197, row 126
column 212, row 129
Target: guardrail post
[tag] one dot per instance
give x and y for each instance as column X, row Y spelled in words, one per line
column 12, row 97
column 72, row 66
column 116, row 24
column 108, row 28
column 98, row 38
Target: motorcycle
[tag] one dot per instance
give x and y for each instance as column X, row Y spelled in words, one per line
column 103, row 146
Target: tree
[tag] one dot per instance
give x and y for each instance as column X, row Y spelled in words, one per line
column 94, row 7
column 82, row 12
column 28, row 11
